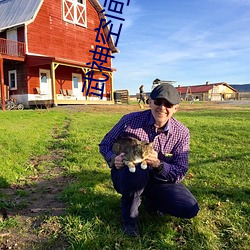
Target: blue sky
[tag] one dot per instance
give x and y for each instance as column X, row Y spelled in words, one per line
column 188, row 41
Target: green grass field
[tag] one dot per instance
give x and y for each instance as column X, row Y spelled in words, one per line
column 218, row 176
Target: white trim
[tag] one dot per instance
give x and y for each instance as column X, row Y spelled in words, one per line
column 26, row 39
column 36, row 13
column 15, row 74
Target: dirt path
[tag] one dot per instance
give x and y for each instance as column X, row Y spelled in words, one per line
column 184, row 106
column 34, row 203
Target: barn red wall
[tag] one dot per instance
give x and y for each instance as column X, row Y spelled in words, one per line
column 21, row 77
column 49, row 35
column 64, row 78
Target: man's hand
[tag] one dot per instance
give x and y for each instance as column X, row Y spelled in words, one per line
column 153, row 160
column 119, row 161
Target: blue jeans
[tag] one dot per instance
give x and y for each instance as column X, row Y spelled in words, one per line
column 168, row 198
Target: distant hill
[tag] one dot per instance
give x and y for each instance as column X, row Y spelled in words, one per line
column 241, row 87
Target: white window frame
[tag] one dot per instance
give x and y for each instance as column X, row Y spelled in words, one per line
column 9, row 75
column 78, row 16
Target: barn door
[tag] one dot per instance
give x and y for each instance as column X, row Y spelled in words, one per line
column 12, row 48
column 77, row 85
column 45, row 83
column 102, row 87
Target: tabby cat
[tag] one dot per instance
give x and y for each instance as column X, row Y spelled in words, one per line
column 135, row 151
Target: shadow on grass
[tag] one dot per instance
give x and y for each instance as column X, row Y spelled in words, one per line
column 31, row 213
column 220, row 193
column 3, row 183
column 94, row 219
column 214, row 159
column 227, row 210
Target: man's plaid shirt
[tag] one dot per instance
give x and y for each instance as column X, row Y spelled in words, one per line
column 172, row 144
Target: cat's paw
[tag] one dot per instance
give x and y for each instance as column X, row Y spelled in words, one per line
column 132, row 170
column 144, row 166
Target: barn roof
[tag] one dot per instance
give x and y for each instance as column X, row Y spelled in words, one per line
column 201, row 88
column 98, row 8
column 18, row 12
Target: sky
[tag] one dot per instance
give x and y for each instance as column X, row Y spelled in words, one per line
column 187, row 41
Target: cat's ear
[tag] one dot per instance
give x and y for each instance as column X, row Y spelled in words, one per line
column 151, row 144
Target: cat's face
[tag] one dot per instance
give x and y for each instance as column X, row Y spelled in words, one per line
column 146, row 148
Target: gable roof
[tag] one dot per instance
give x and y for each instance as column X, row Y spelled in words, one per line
column 201, row 88
column 98, row 7
column 18, row 12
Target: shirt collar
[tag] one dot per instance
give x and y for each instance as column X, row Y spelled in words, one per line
column 151, row 122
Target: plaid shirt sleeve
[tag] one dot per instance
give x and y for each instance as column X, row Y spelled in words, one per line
column 175, row 166
column 105, row 146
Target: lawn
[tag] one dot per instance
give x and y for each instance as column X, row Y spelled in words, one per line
column 218, row 176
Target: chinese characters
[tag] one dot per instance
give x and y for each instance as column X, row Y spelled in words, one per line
column 102, row 53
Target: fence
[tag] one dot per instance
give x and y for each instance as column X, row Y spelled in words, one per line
column 121, row 96
column 244, row 96
column 217, row 96
column 12, row 48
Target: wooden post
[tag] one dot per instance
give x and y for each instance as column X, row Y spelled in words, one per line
column 2, row 84
column 112, row 86
column 53, row 80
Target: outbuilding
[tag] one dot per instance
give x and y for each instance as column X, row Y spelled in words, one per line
column 208, row 92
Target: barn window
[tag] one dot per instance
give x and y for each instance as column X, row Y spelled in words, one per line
column 74, row 11
column 12, row 80
column 43, row 77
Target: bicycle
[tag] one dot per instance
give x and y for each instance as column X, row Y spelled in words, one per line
column 12, row 104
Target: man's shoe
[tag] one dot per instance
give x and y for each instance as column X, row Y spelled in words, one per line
column 131, row 230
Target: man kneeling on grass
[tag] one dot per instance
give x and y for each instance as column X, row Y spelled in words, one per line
column 160, row 184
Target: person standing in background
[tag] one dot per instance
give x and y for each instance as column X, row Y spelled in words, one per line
column 142, row 98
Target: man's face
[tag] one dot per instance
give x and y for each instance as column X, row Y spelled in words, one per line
column 162, row 110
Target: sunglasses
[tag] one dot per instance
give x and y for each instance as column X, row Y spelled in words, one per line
column 159, row 102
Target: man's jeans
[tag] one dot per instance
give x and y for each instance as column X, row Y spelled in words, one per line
column 168, row 198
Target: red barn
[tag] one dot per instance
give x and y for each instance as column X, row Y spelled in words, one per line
column 45, row 52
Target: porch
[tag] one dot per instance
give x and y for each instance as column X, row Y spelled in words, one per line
column 50, row 103
column 61, row 99
column 9, row 50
